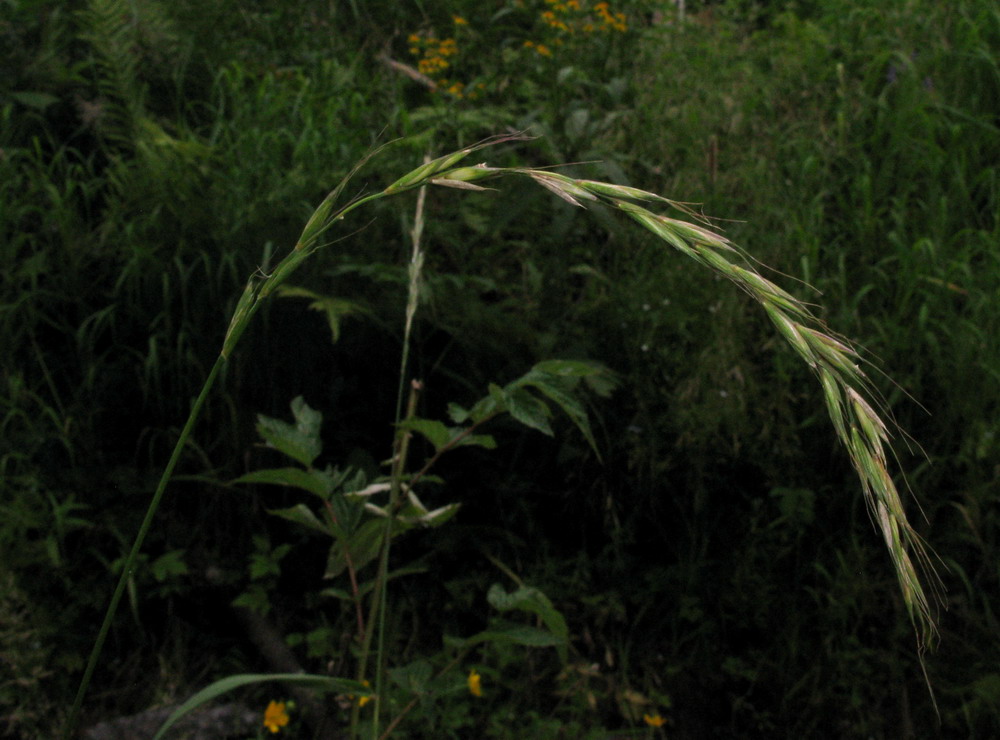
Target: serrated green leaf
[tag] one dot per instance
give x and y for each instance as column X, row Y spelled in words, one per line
column 457, row 414
column 299, row 441
column 434, row 431
column 491, row 404
column 314, row 481
column 303, row 515
column 528, row 409
column 568, row 368
column 519, row 635
column 570, row 406
column 534, row 601
column 317, row 683
column 254, row 598
column 362, row 546
column 478, row 440
column 169, row 564
column 498, row 396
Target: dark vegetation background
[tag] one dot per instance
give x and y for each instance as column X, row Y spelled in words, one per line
column 720, row 561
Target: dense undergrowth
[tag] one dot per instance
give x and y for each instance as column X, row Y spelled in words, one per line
column 718, row 566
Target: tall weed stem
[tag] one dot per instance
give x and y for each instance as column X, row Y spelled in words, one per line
column 130, row 560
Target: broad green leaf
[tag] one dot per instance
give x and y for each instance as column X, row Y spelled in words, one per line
column 569, row 368
column 347, row 514
column 169, row 564
column 490, row 405
column 527, row 409
column 361, row 547
column 572, row 408
column 534, row 601
column 317, row 683
column 299, row 441
column 457, row 414
column 478, row 440
column 436, row 432
column 254, row 598
column 313, row 481
column 603, row 383
column 302, row 514
column 520, row 635
column 597, row 377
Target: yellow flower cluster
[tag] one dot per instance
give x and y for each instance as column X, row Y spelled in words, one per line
column 562, row 24
column 609, row 20
column 434, row 56
column 540, row 48
column 569, row 16
column 433, row 53
column 459, row 90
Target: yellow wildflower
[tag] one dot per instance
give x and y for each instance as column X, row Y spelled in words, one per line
column 475, row 683
column 653, row 720
column 363, row 699
column 275, row 716
column 459, row 20
column 543, row 50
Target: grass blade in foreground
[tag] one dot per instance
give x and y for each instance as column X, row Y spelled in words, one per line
column 220, row 687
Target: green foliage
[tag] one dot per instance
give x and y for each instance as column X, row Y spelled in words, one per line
column 152, row 155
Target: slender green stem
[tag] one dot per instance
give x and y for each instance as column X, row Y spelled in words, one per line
column 129, row 565
column 402, row 444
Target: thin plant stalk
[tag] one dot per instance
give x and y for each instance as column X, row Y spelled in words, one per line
column 129, row 564
column 401, row 448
